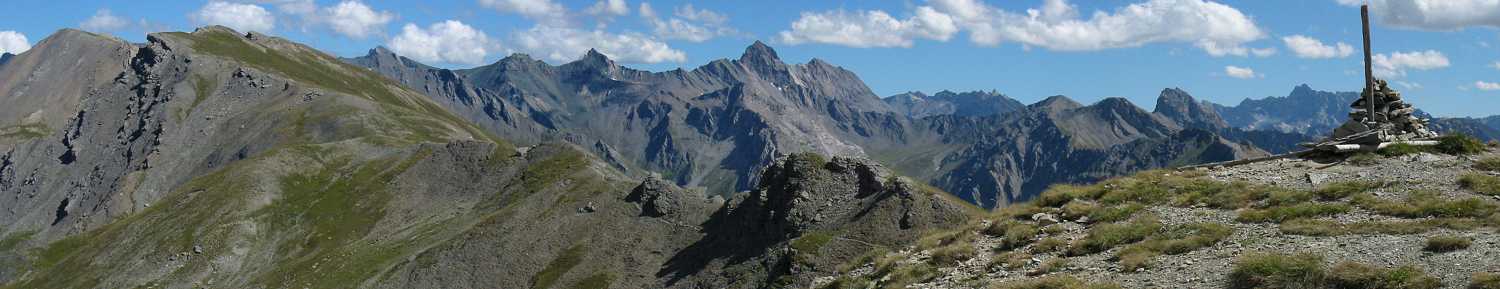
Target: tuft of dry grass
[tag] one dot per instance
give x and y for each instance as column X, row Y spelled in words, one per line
column 1063, row 281
column 1444, row 244
column 1480, row 183
column 1106, row 236
column 1355, row 275
column 1485, row 281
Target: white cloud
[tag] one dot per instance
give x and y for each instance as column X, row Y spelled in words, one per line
column 1240, row 72
column 1216, row 28
column 536, row 10
column 243, row 17
column 354, row 19
column 104, row 20
column 689, row 24
column 13, row 42
column 609, row 7
column 1396, row 64
column 1496, row 65
column 565, row 44
column 1433, row 14
column 872, row 28
column 1409, row 85
column 1308, row 47
column 1486, row 86
column 448, row 41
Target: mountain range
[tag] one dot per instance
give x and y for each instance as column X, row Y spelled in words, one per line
column 225, row 159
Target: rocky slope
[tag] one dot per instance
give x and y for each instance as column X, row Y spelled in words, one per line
column 715, row 126
column 1365, row 217
column 974, row 103
column 221, row 159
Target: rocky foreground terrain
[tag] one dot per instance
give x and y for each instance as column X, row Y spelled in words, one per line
column 1400, row 219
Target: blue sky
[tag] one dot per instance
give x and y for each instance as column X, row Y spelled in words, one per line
column 1443, row 53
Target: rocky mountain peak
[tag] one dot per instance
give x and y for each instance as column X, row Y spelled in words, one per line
column 1302, row 89
column 760, row 53
column 1055, row 103
column 1179, row 106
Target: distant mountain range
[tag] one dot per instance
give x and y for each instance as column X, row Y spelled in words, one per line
column 715, row 126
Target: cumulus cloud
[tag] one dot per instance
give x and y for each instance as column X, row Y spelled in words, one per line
column 872, row 28
column 355, row 19
column 537, row 10
column 609, row 7
column 104, row 20
column 1308, row 47
column 1240, row 72
column 564, row 44
column 244, row 17
column 448, row 41
column 1433, row 14
column 695, row 25
column 13, row 42
column 1486, row 86
column 1397, row 64
column 1216, row 28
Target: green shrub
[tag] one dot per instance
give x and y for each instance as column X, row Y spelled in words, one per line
column 1363, row 159
column 1480, row 183
column 1284, row 213
column 1271, row 270
column 1340, row 190
column 1485, row 281
column 1444, row 244
column 1361, row 276
column 1459, row 144
column 1178, row 240
column 1105, row 236
column 1421, row 204
column 1053, row 282
column 1488, row 164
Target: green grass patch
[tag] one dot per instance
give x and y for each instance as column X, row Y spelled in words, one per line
column 1284, row 213
column 1422, row 204
column 1049, row 245
column 905, row 274
column 1056, row 264
column 1177, row 240
column 1009, row 260
column 1013, row 234
column 1444, row 244
column 952, row 254
column 202, row 88
column 24, row 131
column 1272, row 270
column 1488, row 164
column 848, row 282
column 597, row 281
column 1105, row 236
column 561, row 265
column 1325, row 228
column 1340, row 190
column 1355, row 275
column 1480, row 183
column 1054, row 282
column 10, row 242
column 811, row 242
column 549, row 172
column 1459, row 144
column 1484, row 281
column 945, row 239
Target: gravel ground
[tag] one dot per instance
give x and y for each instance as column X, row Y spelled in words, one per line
column 1208, row 267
